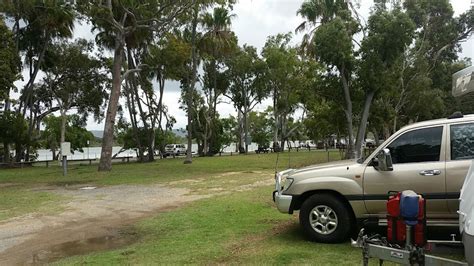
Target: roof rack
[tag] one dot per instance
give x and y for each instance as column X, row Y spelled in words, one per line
column 456, row 115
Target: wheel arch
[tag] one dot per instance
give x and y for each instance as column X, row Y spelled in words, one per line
column 296, row 205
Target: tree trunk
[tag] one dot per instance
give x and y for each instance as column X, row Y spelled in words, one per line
column 30, row 134
column 363, row 124
column 133, row 120
column 28, row 89
column 212, row 109
column 105, row 163
column 189, row 95
column 395, row 122
column 348, row 112
column 6, row 152
column 63, row 126
column 246, row 125
column 205, row 144
column 376, row 136
column 240, row 133
column 275, row 115
column 151, row 146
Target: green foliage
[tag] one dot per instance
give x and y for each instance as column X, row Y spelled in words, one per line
column 282, row 72
column 9, row 60
column 218, row 40
column 74, row 79
column 226, row 135
column 245, row 72
column 42, row 22
column 163, row 138
column 261, row 128
column 333, row 43
column 76, row 133
column 389, row 33
column 13, row 128
column 169, row 58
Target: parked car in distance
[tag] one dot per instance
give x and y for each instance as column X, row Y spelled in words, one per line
column 174, row 150
column 430, row 157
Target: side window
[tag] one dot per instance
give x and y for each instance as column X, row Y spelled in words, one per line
column 462, row 142
column 422, row 145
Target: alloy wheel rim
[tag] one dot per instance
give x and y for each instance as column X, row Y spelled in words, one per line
column 323, row 219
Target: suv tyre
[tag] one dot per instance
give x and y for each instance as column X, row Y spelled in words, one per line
column 325, row 218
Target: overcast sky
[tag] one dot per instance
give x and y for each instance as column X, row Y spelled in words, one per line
column 256, row 20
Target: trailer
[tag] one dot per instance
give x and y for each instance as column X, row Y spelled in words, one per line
column 406, row 239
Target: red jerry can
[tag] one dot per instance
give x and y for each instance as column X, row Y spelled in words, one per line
column 396, row 227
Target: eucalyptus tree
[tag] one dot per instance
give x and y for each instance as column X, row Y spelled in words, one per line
column 168, row 59
column 388, row 35
column 198, row 6
column 76, row 133
column 426, row 65
column 261, row 128
column 13, row 130
column 424, row 69
column 9, row 64
column 36, row 24
column 330, row 41
column 246, row 73
column 119, row 20
column 9, row 71
column 73, row 80
column 284, row 76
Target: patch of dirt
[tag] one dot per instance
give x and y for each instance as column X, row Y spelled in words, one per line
column 91, row 221
column 187, row 181
column 229, row 174
column 256, row 184
column 6, row 185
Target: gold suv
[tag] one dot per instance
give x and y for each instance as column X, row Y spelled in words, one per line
column 430, row 157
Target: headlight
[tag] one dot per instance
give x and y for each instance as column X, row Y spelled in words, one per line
column 287, row 183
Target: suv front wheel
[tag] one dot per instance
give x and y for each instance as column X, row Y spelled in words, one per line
column 325, row 219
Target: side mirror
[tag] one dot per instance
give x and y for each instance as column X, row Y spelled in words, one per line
column 383, row 161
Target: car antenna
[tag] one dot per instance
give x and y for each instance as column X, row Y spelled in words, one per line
column 289, row 156
column 276, row 164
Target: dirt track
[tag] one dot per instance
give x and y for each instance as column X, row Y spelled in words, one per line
column 94, row 219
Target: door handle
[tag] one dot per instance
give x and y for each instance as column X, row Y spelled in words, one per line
column 430, row 172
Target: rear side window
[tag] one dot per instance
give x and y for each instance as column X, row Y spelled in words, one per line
column 422, row 145
column 462, row 142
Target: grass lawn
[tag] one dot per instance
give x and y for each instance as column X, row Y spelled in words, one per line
column 163, row 170
column 16, row 201
column 17, row 186
column 240, row 228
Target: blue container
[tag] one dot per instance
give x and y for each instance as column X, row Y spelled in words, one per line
column 409, row 207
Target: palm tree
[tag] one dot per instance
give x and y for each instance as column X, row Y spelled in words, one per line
column 36, row 25
column 198, row 6
column 217, row 42
column 317, row 12
column 327, row 18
